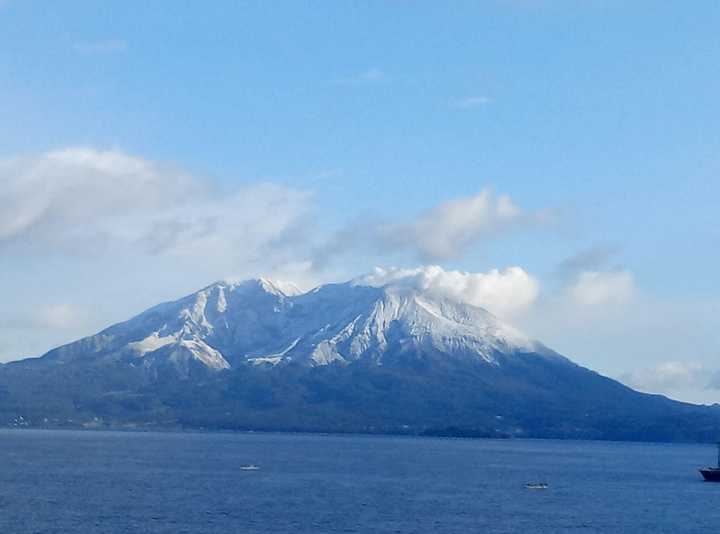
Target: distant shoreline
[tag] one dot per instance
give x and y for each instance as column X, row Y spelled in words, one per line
column 180, row 431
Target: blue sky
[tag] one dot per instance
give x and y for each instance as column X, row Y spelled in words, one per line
column 598, row 119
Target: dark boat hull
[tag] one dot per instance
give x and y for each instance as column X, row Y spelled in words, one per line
column 711, row 474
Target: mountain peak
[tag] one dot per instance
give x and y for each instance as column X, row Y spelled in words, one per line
column 381, row 319
column 280, row 288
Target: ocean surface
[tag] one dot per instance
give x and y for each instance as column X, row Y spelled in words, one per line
column 122, row 482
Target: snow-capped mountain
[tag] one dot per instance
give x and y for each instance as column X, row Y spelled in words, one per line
column 375, row 354
column 267, row 323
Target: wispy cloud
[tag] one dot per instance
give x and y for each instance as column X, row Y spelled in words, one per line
column 449, row 229
column 446, row 230
column 592, row 281
column 369, row 76
column 58, row 316
column 600, row 288
column 594, row 258
column 443, row 232
column 667, row 376
column 101, row 47
column 471, row 102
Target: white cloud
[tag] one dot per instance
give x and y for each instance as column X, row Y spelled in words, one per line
column 86, row 201
column 447, row 230
column 690, row 381
column 600, row 318
column 61, row 191
column 597, row 305
column 101, row 47
column 472, row 102
column 598, row 288
column 667, row 377
column 505, row 293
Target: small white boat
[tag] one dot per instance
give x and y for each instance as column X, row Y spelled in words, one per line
column 249, row 467
column 537, row 485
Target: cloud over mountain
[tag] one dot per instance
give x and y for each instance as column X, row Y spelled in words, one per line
column 504, row 293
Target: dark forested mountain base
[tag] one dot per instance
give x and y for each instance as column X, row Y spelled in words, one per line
column 527, row 396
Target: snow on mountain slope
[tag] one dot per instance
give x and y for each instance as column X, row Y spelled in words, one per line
column 268, row 323
column 375, row 323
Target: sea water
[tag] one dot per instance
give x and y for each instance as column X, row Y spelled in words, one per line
column 122, row 482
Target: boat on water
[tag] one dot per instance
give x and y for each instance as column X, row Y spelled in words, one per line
column 537, row 485
column 249, row 467
column 712, row 474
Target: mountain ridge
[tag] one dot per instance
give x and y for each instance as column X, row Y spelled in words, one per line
column 261, row 354
column 207, row 325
